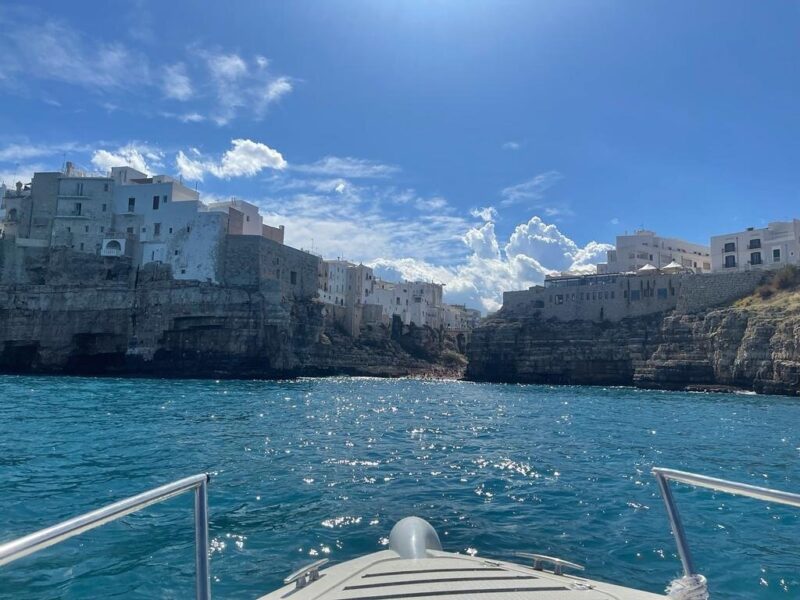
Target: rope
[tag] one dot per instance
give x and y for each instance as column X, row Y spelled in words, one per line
column 691, row 587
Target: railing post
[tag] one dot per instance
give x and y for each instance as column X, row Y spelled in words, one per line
column 677, row 527
column 202, row 575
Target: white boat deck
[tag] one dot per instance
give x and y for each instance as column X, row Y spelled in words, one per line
column 445, row 576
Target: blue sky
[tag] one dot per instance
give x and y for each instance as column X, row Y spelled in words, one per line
column 481, row 144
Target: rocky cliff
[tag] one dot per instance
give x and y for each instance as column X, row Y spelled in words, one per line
column 753, row 344
column 160, row 327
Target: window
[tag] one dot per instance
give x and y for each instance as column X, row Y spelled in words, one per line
column 755, row 243
column 636, row 295
column 188, row 229
column 170, row 229
column 102, row 229
column 730, row 262
column 104, row 208
column 755, row 258
column 176, row 253
column 69, row 229
column 131, row 204
column 130, row 229
column 81, row 245
column 662, row 293
column 156, row 229
column 730, row 247
column 86, row 228
column 79, row 189
column 105, row 187
column 776, row 255
column 155, row 202
column 293, row 277
column 78, row 208
column 144, row 229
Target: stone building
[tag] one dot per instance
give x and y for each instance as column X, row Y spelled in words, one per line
column 773, row 246
column 617, row 296
column 250, row 261
column 632, row 252
column 130, row 214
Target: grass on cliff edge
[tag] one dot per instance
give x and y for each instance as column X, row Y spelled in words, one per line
column 781, row 286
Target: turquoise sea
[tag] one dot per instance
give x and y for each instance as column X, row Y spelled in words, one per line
column 324, row 467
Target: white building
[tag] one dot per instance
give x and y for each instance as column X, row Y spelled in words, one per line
column 776, row 245
column 158, row 219
column 333, row 281
column 458, row 317
column 244, row 219
column 644, row 247
column 416, row 302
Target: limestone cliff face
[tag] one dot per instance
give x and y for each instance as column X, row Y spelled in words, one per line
column 579, row 352
column 163, row 327
column 753, row 346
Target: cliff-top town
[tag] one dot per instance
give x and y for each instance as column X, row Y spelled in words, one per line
column 156, row 220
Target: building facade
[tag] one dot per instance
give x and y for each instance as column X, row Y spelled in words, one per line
column 644, row 247
column 128, row 213
column 773, row 246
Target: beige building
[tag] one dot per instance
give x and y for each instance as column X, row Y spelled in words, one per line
column 645, row 247
column 773, row 246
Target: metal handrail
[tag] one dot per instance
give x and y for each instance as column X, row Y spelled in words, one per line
column 11, row 551
column 721, row 485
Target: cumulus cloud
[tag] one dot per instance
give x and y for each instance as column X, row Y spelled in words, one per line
column 245, row 159
column 177, row 84
column 142, row 157
column 534, row 249
column 487, row 213
column 511, row 146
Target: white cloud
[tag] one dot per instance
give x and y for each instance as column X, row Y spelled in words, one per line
column 177, row 84
column 245, row 159
column 614, row 221
column 218, row 85
column 242, row 86
column 20, row 151
column 511, row 146
column 534, row 249
column 354, row 168
column 278, row 88
column 226, row 67
column 56, row 52
column 142, row 157
column 532, row 189
column 487, row 213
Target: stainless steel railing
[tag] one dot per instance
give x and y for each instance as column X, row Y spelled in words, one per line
column 11, row 551
column 663, row 476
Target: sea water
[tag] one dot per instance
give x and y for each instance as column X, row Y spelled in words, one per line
column 318, row 468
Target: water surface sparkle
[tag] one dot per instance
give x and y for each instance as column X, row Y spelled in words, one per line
column 324, row 467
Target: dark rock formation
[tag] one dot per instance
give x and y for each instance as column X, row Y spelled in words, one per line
column 161, row 327
column 752, row 345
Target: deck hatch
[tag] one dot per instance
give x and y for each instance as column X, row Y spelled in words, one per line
column 501, row 590
column 441, row 580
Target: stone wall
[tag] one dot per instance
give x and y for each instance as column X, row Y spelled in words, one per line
column 616, row 297
column 611, row 298
column 700, row 292
column 249, row 260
